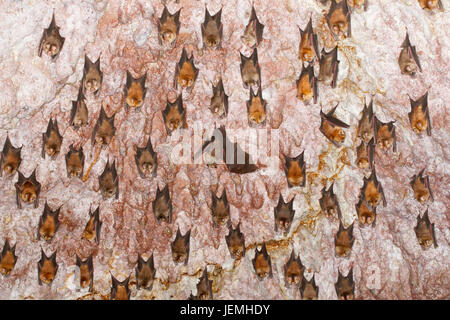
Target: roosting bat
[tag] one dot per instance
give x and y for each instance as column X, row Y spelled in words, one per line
column 293, row 270
column 51, row 41
column 135, row 91
column 146, row 160
column 329, row 203
column 421, row 187
column 307, row 88
column 345, row 286
column 220, row 209
column 425, row 232
column 329, row 67
column 250, row 70
column 79, row 115
column 162, row 205
column 48, row 223
column 408, row 60
column 104, row 129
column 174, row 115
column 10, row 158
column 86, row 272
column 372, row 191
column 256, row 108
column 108, row 181
column 235, row 242
column 47, row 268
column 253, row 31
column 212, row 29
column 338, row 19
column 180, row 247
column 308, row 289
column 120, row 290
column 262, row 263
column 93, row 226
column 204, row 287
column 75, row 162
column 145, row 273
column 295, row 169
column 284, row 214
column 185, row 72
column 219, row 100
column 8, row 259
column 27, row 189
column 52, row 140
column 92, row 75
column 419, row 116
column 168, row 27
column 331, row 127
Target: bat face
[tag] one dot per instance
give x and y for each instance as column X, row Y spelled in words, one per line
column 338, row 19
column 329, row 203
column 135, row 91
column 329, row 67
column 253, row 31
column 145, row 273
column 86, row 272
column 408, row 59
column 431, row 4
column 204, row 287
column 79, row 114
column 262, row 263
column 10, row 158
column 146, row 160
column 27, row 190
column 92, row 230
column 109, row 182
column 185, row 73
column 220, row 209
column 219, row 100
column 345, row 286
column 75, row 162
column 212, row 29
column 180, row 247
column 366, row 213
column 92, row 75
column 52, row 140
column 174, row 115
column 250, row 71
column 295, row 169
column 364, row 155
column 47, row 268
column 425, row 232
column 256, row 108
column 51, row 41
column 308, row 49
column 344, row 240
column 293, row 270
column 366, row 123
column 331, row 127
column 8, row 259
column 162, row 205
column 307, row 85
column 372, row 190
column 104, row 129
column 284, row 214
column 48, row 223
column 419, row 116
column 236, row 242
column 421, row 187
column 120, row 290
column 168, row 26
column 308, row 289
column 385, row 135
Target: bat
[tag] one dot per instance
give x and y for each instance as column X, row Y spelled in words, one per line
column 48, row 223
column 262, row 263
column 431, row 4
column 86, row 272
column 174, row 115
column 93, row 226
column 180, row 247
column 135, row 91
column 220, row 209
column 329, row 203
column 419, row 116
column 146, row 160
column 331, row 127
column 235, row 241
column 256, row 108
column 358, row 4
column 168, row 27
column 284, row 214
column 145, row 273
column 10, row 158
column 8, row 259
column 408, row 60
column 345, row 286
column 421, row 187
column 79, row 115
column 75, row 162
column 47, row 268
column 308, row 289
column 204, row 287
column 425, row 232
column 329, row 67
column 162, row 205
column 120, row 290
column 253, row 31
column 293, row 270
column 108, row 181
column 295, row 170
column 104, row 129
column 372, row 191
column 338, row 19
column 92, row 75
column 366, row 124
column 212, row 29
column 219, row 100
column 343, row 241
column 52, row 140
column 366, row 213
column 250, row 70
column 308, row 48
column 385, row 135
column 364, row 155
column 185, row 72
column 27, row 189
column 51, row 41
column 307, row 85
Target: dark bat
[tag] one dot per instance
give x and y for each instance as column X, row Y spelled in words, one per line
column 145, row 273
column 284, row 214
column 204, row 287
column 10, row 158
column 93, row 226
column 51, row 41
column 425, row 232
column 180, row 247
column 339, row 20
column 366, row 124
column 262, row 263
column 308, row 49
column 295, row 170
column 120, row 290
column 329, row 203
column 75, row 162
column 8, row 259
column 212, row 29
column 253, row 31
column 47, row 268
column 104, row 129
column 329, row 67
column 108, row 181
column 345, row 286
column 92, row 75
column 307, row 85
column 168, row 27
column 308, row 289
column 220, row 209
column 162, row 205
column 48, row 223
column 235, row 241
column 343, row 241
column 86, row 272
column 135, row 91
column 219, row 100
column 79, row 115
column 408, row 60
column 293, row 270
column 331, row 127
column 366, row 213
column 52, row 140
column 419, row 116
column 256, row 108
column 146, row 160
column 364, row 155
column 174, row 115
column 185, row 72
column 421, row 187
column 372, row 191
column 385, row 135
column 27, row 189
column 250, row 70
column 431, row 4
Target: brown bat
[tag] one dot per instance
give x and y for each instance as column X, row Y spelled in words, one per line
column 174, row 115
column 431, row 4
column 329, row 67
column 168, row 27
column 93, row 226
column 86, row 272
column 51, row 41
column 120, row 290
column 75, row 162
column 212, row 29
column 308, row 48
column 92, row 75
column 338, row 19
column 146, row 160
column 47, row 268
column 307, row 85
column 293, row 270
column 425, row 232
column 329, row 203
column 204, row 287
column 10, row 158
column 104, row 129
column 364, row 155
column 419, row 116
column 48, row 223
column 145, row 273
column 253, row 31
column 284, row 214
column 162, row 205
column 366, row 213
column 295, row 169
column 372, row 191
column 408, row 60
column 108, row 181
column 421, row 187
column 366, row 124
column 27, row 189
column 135, row 91
column 256, row 108
column 331, row 127
column 180, row 247
column 220, row 209
column 235, row 241
column 219, row 100
column 8, row 259
column 345, row 286
column 308, row 289
column 250, row 70
column 52, row 140
column 343, row 240
column 385, row 135
column 262, row 263
column 185, row 72
column 79, row 115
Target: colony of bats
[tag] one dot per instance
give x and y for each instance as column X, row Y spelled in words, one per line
column 371, row 132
